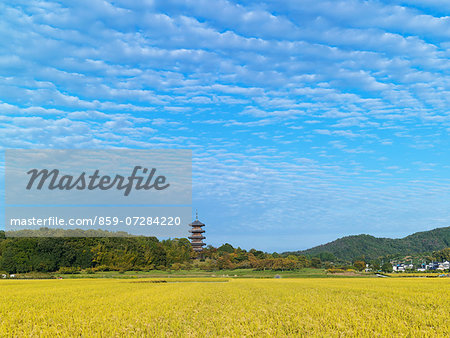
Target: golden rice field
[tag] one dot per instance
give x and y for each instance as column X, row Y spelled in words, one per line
column 241, row 307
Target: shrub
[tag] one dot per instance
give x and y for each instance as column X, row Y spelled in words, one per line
column 69, row 270
column 335, row 270
column 103, row 268
column 176, row 266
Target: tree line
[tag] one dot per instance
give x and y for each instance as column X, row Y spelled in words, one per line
column 72, row 254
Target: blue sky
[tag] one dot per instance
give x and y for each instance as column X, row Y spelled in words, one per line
column 308, row 120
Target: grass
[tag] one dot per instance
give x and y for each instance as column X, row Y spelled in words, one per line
column 238, row 273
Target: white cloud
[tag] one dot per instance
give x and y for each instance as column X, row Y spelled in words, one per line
column 287, row 104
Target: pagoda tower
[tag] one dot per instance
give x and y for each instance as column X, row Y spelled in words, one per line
column 197, row 234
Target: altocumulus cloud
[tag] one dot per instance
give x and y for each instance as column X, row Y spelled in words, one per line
column 309, row 119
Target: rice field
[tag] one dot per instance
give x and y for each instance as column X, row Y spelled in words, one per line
column 237, row 307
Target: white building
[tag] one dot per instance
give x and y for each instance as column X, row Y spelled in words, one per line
column 401, row 267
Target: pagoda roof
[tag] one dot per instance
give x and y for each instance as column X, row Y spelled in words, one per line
column 197, row 244
column 196, row 231
column 197, row 223
column 197, row 237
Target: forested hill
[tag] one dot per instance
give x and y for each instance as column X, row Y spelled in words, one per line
column 370, row 247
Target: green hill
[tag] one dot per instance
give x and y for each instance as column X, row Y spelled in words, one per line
column 370, row 247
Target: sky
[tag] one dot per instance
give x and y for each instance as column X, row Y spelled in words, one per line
column 308, row 120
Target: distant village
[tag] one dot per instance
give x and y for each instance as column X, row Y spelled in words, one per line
column 433, row 266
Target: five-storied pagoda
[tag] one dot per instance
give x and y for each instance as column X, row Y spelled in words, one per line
column 197, row 234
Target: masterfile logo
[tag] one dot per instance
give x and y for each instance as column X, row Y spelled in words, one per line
column 54, row 180
column 139, row 192
column 79, row 176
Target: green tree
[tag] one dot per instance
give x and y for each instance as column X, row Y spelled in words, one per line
column 359, row 265
column 316, row 262
column 327, row 257
column 224, row 262
column 386, row 267
column 442, row 255
column 258, row 253
column 226, row 248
